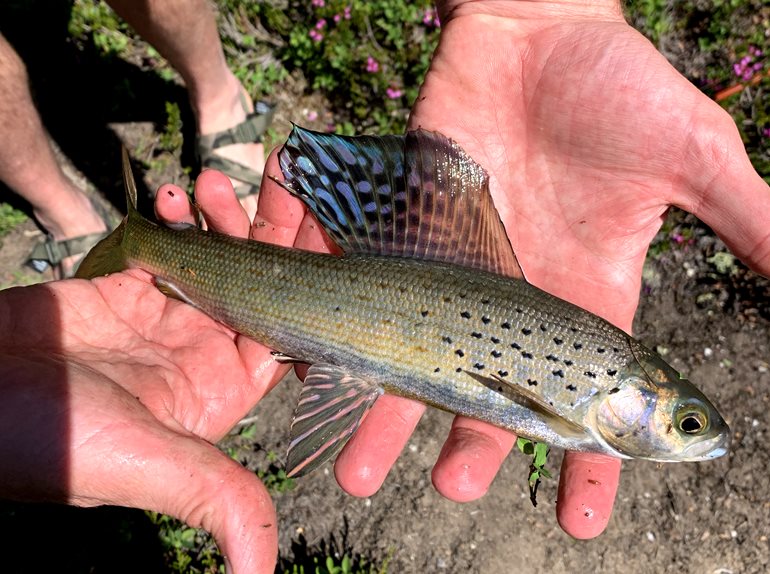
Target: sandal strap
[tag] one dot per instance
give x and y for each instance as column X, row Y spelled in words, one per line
column 250, row 130
column 52, row 252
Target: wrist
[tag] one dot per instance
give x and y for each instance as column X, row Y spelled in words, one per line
column 529, row 9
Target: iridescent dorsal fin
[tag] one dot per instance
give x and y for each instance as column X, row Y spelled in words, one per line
column 417, row 195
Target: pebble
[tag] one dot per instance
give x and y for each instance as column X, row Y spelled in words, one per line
column 707, row 352
column 650, row 536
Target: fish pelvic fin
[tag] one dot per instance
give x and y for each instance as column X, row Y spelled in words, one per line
column 108, row 256
column 332, row 404
column 418, row 195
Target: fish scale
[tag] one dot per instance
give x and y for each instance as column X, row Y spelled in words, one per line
column 427, row 302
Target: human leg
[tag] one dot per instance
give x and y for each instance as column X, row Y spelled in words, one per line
column 185, row 33
column 28, row 165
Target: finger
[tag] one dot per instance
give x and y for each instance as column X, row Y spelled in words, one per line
column 215, row 196
column 172, row 205
column 588, row 484
column 724, row 190
column 364, row 463
column 470, row 459
column 279, row 214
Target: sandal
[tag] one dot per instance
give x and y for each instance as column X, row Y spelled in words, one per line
column 51, row 252
column 250, row 130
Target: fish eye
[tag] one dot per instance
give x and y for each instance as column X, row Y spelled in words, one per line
column 691, row 422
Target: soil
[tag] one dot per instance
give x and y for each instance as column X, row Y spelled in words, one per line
column 708, row 517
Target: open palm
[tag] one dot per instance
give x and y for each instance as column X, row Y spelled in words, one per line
column 588, row 135
column 111, row 402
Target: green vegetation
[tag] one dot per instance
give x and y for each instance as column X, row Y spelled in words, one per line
column 539, row 453
column 344, row 565
column 9, row 218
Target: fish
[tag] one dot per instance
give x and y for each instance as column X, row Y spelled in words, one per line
column 427, row 301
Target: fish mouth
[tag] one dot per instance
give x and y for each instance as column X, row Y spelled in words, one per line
column 708, row 449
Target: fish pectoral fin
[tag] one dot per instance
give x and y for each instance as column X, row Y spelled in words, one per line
column 528, row 399
column 332, row 404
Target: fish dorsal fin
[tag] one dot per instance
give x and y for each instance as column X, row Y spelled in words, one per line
column 417, row 195
column 521, row 396
column 331, row 405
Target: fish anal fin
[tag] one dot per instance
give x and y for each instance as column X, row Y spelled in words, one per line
column 528, row 399
column 331, row 405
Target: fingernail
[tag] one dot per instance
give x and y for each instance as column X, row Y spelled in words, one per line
column 228, row 566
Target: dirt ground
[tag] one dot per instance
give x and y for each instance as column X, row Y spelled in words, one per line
column 711, row 517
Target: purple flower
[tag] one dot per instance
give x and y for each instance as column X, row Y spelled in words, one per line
column 393, row 93
column 316, row 35
column 311, row 115
column 372, row 65
column 318, row 3
column 766, row 132
column 320, row 24
column 346, row 12
column 430, row 18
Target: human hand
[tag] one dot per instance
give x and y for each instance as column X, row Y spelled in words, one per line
column 110, row 402
column 588, row 135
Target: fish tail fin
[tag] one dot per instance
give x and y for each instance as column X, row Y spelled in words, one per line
column 109, row 255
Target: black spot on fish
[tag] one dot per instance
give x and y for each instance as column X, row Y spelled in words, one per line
column 577, row 346
column 526, row 331
column 336, row 308
column 612, row 372
column 485, row 301
column 532, row 382
column 519, row 310
column 526, row 355
column 460, row 353
column 446, row 339
column 568, row 362
column 485, row 320
column 436, row 370
column 558, row 341
column 495, row 340
column 613, row 390
column 496, row 354
column 506, row 325
column 458, row 370
column 465, row 315
column 463, row 294
column 590, row 374
column 502, row 373
column 558, row 373
column 615, row 350
column 552, row 358
column 447, row 299
column 476, row 335
column 515, row 346
column 478, row 366
column 543, row 328
column 599, row 349
column 571, row 387
column 424, row 313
